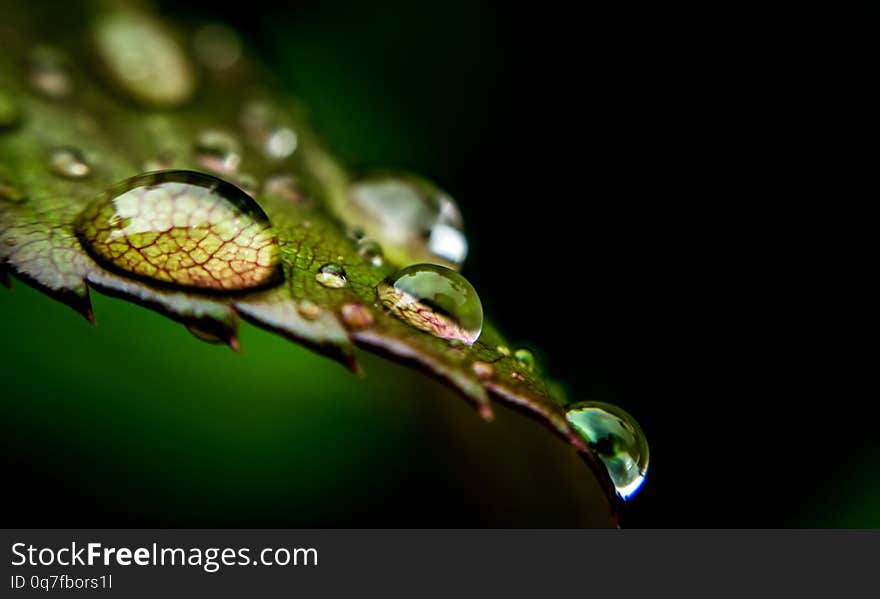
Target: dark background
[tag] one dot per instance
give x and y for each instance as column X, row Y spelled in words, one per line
column 586, row 159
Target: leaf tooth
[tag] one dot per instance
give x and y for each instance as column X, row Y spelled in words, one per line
column 458, row 378
column 75, row 297
column 323, row 333
column 206, row 314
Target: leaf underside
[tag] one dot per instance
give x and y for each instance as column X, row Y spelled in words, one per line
column 119, row 136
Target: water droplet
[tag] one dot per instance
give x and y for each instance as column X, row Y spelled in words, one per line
column 11, row 193
column 357, row 316
column 218, row 151
column 281, row 143
column 503, row 350
column 434, row 299
column 218, row 47
column 308, row 310
column 69, row 163
column 203, row 335
column 267, row 129
column 413, row 220
column 370, row 251
column 182, row 228
column 525, row 358
column 10, row 113
column 48, row 72
column 332, row 276
column 617, row 439
column 143, row 58
column 484, row 370
column 517, row 376
column 285, row 187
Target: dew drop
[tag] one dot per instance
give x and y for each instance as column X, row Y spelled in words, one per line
column 370, row 251
column 68, row 163
column 483, row 370
column 143, row 59
column 10, row 113
column 218, row 47
column 308, row 310
column 356, row 316
column 218, row 151
column 525, row 358
column 281, row 143
column 48, row 72
column 617, row 439
column 503, row 350
column 266, row 129
column 204, row 335
column 182, row 228
column 413, row 220
column 331, row 276
column 434, row 299
column 285, row 187
column 11, row 193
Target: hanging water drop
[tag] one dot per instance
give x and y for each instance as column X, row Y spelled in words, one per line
column 68, row 163
column 617, row 439
column 218, row 151
column 370, row 251
column 331, row 276
column 182, row 228
column 413, row 220
column 434, row 299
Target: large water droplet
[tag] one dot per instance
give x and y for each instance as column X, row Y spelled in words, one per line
column 10, row 113
column 182, row 228
column 434, row 299
column 413, row 219
column 218, row 151
column 48, row 72
column 331, row 276
column 617, row 439
column 143, row 58
column 69, row 163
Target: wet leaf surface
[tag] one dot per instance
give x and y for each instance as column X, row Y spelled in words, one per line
column 79, row 117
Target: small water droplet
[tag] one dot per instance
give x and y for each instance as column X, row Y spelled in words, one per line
column 309, row 310
column 286, row 187
column 11, row 193
column 413, row 219
column 525, row 358
column 357, row 316
column 517, row 376
column 248, row 184
column 266, row 129
column 617, row 439
column 331, row 276
column 203, row 335
column 182, row 228
column 10, row 113
column 69, row 163
column 503, row 350
column 370, row 251
column 434, row 299
column 48, row 72
column 143, row 59
column 484, row 370
column 281, row 143
column 218, row 151
column 218, row 47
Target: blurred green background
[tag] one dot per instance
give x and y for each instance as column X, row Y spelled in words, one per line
column 555, row 137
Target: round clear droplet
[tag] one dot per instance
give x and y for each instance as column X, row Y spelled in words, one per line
column 434, row 299
column 331, row 276
column 617, row 439
column 370, row 251
column 68, row 163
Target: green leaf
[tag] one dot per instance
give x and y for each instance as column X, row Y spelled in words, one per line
column 115, row 114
